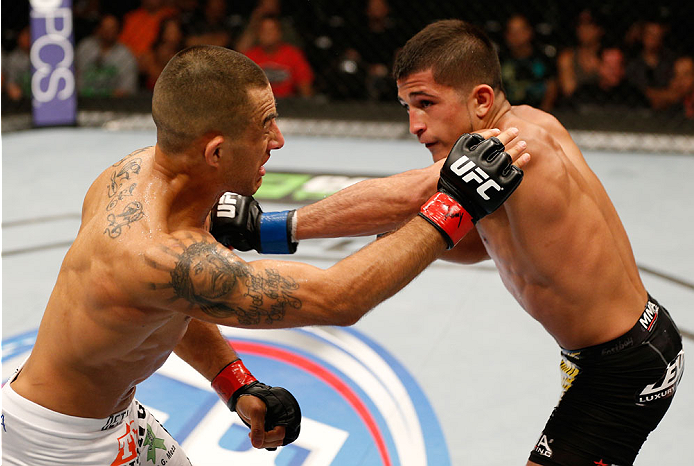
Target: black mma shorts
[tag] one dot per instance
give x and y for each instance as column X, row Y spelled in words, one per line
column 614, row 395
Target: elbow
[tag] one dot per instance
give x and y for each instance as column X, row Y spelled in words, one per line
column 345, row 312
column 346, row 315
column 349, row 319
column 342, row 301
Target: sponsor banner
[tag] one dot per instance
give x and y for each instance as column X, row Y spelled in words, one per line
column 54, row 98
column 360, row 406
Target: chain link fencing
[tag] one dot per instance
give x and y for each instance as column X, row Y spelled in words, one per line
column 551, row 55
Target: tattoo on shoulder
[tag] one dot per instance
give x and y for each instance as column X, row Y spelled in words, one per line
column 131, row 213
column 205, row 277
column 121, row 186
column 130, row 155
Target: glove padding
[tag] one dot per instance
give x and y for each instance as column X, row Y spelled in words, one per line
column 282, row 408
column 239, row 222
column 476, row 178
column 479, row 175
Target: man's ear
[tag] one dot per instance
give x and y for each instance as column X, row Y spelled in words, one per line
column 482, row 100
column 213, row 150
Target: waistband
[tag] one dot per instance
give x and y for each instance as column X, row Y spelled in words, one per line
column 62, row 424
column 651, row 318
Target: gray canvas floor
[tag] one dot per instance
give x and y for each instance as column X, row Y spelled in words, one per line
column 490, row 371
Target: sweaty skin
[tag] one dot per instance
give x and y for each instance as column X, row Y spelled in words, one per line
column 558, row 243
column 145, row 278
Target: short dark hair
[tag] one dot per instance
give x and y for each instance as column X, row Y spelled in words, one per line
column 460, row 55
column 203, row 89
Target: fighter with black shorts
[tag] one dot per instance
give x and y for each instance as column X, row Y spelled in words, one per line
column 558, row 244
column 614, row 395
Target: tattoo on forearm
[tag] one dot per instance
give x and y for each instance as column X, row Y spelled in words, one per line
column 205, row 277
column 120, row 187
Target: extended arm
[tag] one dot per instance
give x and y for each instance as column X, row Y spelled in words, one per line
column 370, row 207
column 196, row 275
column 378, row 206
column 213, row 284
column 382, row 204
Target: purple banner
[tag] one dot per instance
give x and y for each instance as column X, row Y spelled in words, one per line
column 54, row 98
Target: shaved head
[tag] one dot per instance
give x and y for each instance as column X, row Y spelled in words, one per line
column 203, row 89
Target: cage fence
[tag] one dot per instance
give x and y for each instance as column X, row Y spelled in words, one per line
column 350, row 46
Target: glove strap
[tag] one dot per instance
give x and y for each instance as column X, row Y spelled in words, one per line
column 276, row 232
column 231, row 378
column 448, row 216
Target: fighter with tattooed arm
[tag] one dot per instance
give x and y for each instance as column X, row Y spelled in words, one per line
column 144, row 277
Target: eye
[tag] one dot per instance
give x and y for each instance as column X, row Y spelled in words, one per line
column 425, row 103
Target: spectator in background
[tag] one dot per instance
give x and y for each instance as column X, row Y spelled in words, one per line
column 105, row 67
column 528, row 74
column 376, row 39
column 250, row 37
column 678, row 97
column 612, row 89
column 682, row 84
column 168, row 43
column 651, row 69
column 86, row 16
column 16, row 68
column 578, row 65
column 285, row 65
column 3, row 61
column 210, row 25
column 141, row 27
column 187, row 10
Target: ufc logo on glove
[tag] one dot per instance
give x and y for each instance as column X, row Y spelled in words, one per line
column 227, row 205
column 464, row 165
column 457, row 206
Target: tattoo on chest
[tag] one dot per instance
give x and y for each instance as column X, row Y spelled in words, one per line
column 121, row 186
column 204, row 276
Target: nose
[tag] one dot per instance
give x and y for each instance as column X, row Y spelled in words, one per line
column 417, row 125
column 278, row 139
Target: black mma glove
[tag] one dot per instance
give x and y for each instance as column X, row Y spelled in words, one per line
column 475, row 180
column 235, row 381
column 239, row 222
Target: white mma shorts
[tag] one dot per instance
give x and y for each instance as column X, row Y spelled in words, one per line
column 36, row 436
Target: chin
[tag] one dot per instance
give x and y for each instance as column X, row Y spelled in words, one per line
column 438, row 154
column 258, row 183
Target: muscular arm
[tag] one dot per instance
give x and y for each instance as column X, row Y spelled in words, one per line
column 378, row 206
column 369, row 207
column 195, row 275
column 381, row 205
column 205, row 349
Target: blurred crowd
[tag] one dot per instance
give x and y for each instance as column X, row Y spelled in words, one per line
column 343, row 50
